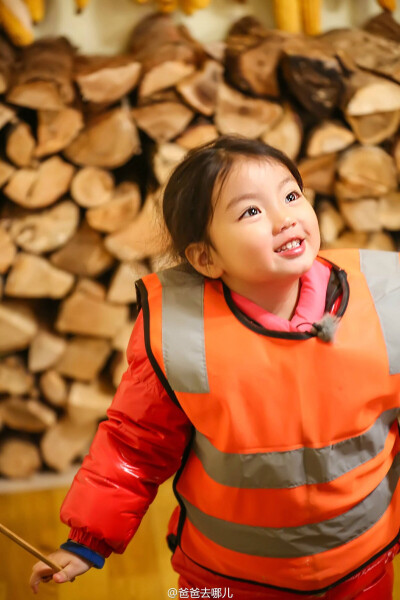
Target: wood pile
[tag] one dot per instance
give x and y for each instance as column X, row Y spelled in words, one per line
column 87, row 144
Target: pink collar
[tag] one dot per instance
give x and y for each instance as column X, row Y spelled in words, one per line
column 310, row 306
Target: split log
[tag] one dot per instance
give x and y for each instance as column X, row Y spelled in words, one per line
column 200, row 89
column 145, row 236
column 369, row 52
column 92, row 186
column 350, row 239
column 122, row 287
column 19, row 459
column 27, row 414
column 20, row 145
column 105, row 79
column 361, row 215
column 34, row 277
column 46, row 231
column 14, row 377
column 313, row 74
column 318, row 173
column 57, row 129
column 18, row 326
column 384, row 25
column 286, row 134
column 45, row 351
column 165, row 159
column 162, row 121
column 8, row 250
column 374, row 128
column 252, row 57
column 237, row 113
column 7, row 114
column 84, row 254
column 380, row 241
column 197, row 134
column 365, row 172
column 83, row 314
column 329, row 137
column 166, row 51
column 65, row 442
column 396, row 153
column 389, row 211
column 54, row 388
column 44, row 78
column 37, row 188
column 108, row 140
column 87, row 403
column 120, row 210
column 7, row 64
column 118, row 367
column 366, row 94
column 91, row 287
column 215, row 50
column 83, row 358
column 121, row 339
column 6, row 172
column 331, row 222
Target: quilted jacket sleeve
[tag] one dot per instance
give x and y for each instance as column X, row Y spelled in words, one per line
column 134, row 451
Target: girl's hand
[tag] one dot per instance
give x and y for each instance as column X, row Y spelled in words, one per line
column 72, row 565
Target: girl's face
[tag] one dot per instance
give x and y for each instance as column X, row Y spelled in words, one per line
column 263, row 230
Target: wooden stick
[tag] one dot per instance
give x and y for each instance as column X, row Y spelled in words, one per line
column 15, row 538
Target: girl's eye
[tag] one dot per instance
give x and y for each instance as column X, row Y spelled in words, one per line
column 250, row 212
column 292, row 196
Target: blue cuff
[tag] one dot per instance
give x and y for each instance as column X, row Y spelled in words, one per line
column 85, row 552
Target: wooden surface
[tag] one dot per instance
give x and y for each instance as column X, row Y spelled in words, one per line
column 142, row 573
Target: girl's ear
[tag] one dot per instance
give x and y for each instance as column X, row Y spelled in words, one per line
column 199, row 256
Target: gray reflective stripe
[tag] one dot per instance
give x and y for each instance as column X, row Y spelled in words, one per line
column 382, row 272
column 304, row 466
column 183, row 331
column 294, row 542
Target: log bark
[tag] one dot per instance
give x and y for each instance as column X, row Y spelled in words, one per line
column 84, row 254
column 45, row 351
column 7, row 64
column 120, row 210
column 38, row 188
column 34, row 277
column 83, row 358
column 92, row 186
column 19, row 459
column 83, row 314
column 20, row 145
column 57, row 129
column 103, row 79
column 250, row 117
column 108, row 140
column 384, row 25
column 313, row 74
column 46, row 231
column 65, row 442
column 44, row 78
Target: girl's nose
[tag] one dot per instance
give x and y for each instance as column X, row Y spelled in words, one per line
column 283, row 222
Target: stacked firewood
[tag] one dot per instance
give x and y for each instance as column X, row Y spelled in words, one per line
column 87, row 144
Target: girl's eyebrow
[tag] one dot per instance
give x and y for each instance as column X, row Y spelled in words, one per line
column 237, row 199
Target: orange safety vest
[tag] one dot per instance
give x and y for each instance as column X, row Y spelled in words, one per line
column 291, row 477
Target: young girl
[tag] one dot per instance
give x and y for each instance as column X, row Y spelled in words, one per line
column 283, row 433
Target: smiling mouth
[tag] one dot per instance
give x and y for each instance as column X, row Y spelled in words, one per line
column 290, row 245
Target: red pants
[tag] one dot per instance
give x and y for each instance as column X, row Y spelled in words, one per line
column 375, row 582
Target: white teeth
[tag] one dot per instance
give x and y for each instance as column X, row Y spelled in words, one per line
column 290, row 245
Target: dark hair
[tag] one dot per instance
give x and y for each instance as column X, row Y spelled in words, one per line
column 187, row 206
